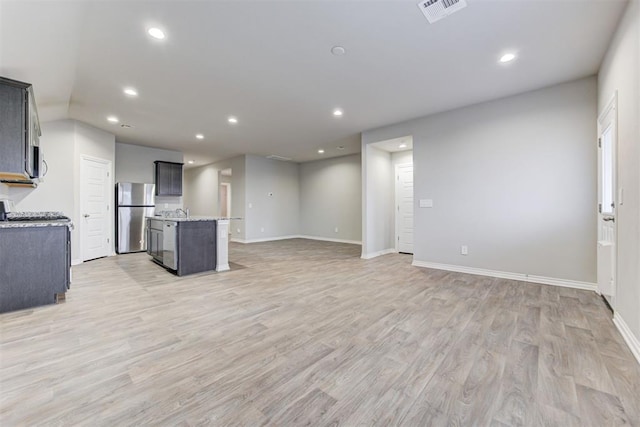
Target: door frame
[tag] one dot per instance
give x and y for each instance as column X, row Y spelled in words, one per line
column 110, row 217
column 396, row 207
column 611, row 107
column 228, row 185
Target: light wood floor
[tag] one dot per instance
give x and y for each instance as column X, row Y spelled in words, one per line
column 303, row 332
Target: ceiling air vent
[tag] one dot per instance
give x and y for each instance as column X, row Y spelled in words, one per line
column 435, row 10
column 274, row 157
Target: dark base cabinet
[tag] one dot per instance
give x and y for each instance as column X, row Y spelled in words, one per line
column 35, row 266
column 196, row 247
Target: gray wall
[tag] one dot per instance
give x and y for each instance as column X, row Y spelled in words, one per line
column 201, row 188
column 134, row 163
column 621, row 72
column 330, row 197
column 514, row 179
column 274, row 215
column 377, row 234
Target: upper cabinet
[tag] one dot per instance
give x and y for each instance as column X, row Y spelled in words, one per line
column 19, row 132
column 168, row 178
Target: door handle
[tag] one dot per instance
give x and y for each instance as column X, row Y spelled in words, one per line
column 86, row 215
column 610, row 218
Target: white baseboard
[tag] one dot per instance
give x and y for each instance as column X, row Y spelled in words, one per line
column 76, row 261
column 378, row 253
column 507, row 275
column 296, row 236
column 327, row 239
column 265, row 239
column 629, row 338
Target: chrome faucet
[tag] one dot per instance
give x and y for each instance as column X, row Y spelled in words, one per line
column 184, row 212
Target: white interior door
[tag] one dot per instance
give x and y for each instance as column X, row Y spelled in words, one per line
column 94, row 193
column 607, row 202
column 404, row 208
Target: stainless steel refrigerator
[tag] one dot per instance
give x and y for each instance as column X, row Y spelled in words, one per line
column 135, row 203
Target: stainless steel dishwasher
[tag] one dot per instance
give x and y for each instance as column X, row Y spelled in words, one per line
column 169, row 245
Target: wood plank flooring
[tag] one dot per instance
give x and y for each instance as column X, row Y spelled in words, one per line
column 302, row 332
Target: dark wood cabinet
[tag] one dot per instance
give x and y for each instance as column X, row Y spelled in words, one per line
column 154, row 238
column 168, row 178
column 13, row 129
column 35, row 265
column 196, row 247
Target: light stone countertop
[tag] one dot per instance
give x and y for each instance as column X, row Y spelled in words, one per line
column 193, row 218
column 25, row 224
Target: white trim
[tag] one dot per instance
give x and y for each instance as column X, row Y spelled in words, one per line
column 327, row 239
column 612, row 104
column 110, row 217
column 77, row 261
column 508, row 275
column 379, row 253
column 629, row 338
column 296, row 236
column 265, row 239
column 396, row 200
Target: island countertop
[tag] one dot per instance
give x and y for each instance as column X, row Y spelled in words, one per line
column 192, row 218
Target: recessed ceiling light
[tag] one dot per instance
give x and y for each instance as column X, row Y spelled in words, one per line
column 507, row 57
column 125, row 126
column 112, row 119
column 403, row 145
column 129, row 91
column 156, row 33
column 338, row 112
column 321, row 151
column 338, row 50
column 199, row 136
column 232, row 120
column 191, row 162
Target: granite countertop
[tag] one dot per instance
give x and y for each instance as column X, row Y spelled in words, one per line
column 24, row 224
column 192, row 218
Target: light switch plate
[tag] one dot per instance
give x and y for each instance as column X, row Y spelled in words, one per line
column 426, row 203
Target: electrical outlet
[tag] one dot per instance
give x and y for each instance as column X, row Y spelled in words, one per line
column 238, row 230
column 262, row 229
column 464, row 250
column 250, row 205
column 335, row 229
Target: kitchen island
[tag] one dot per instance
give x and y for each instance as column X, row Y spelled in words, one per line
column 35, row 263
column 189, row 245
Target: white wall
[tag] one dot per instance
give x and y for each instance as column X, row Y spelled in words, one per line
column 620, row 72
column 330, row 197
column 56, row 191
column 94, row 143
column 63, row 143
column 377, row 176
column 514, row 179
column 134, row 163
column 274, row 215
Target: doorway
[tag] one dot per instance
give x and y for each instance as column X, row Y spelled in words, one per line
column 381, row 220
column 95, row 203
column 607, row 202
column 224, row 193
column 225, row 199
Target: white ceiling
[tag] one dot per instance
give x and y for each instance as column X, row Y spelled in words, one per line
column 269, row 63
